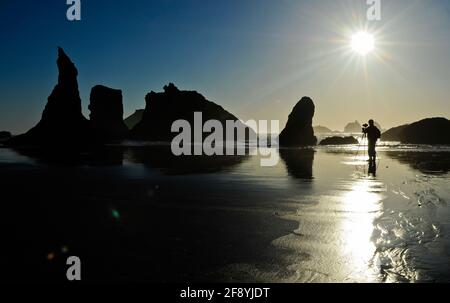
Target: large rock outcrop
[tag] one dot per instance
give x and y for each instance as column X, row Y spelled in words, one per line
column 62, row 121
column 394, row 133
column 134, row 119
column 428, row 131
column 339, row 141
column 299, row 131
column 163, row 108
column 107, row 113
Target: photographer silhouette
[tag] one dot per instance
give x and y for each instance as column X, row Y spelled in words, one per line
column 373, row 134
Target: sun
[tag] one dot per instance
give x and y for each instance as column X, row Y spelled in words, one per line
column 363, row 43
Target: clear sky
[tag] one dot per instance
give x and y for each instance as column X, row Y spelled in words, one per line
column 256, row 58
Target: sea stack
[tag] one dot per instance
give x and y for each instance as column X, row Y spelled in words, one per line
column 356, row 127
column 299, row 131
column 107, row 113
column 164, row 108
column 62, row 121
column 353, row 128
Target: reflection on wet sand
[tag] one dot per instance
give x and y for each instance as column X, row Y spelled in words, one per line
column 372, row 171
column 361, row 205
column 162, row 158
column 102, row 156
column 299, row 162
column 334, row 239
column 154, row 157
column 425, row 162
column 316, row 217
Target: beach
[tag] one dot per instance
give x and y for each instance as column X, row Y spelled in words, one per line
column 138, row 213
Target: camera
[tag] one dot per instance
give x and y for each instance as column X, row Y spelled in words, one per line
column 365, row 126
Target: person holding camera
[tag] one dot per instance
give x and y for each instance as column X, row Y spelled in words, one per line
column 373, row 134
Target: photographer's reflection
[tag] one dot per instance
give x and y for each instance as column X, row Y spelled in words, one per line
column 372, row 168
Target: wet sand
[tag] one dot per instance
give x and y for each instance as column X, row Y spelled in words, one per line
column 138, row 214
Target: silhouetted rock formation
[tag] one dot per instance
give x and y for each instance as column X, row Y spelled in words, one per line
column 299, row 130
column 339, row 141
column 162, row 109
column 427, row 131
column 62, row 122
column 393, row 134
column 353, row 127
column 322, row 130
column 107, row 113
column 356, row 127
column 5, row 136
column 134, row 119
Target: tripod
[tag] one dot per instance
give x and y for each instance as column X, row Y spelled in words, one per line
column 364, row 136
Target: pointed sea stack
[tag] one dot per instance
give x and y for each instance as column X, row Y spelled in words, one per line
column 107, row 113
column 62, row 123
column 299, row 131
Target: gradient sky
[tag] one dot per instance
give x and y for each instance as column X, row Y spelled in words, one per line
column 256, row 58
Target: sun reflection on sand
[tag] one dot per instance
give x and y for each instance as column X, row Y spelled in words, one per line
column 362, row 205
